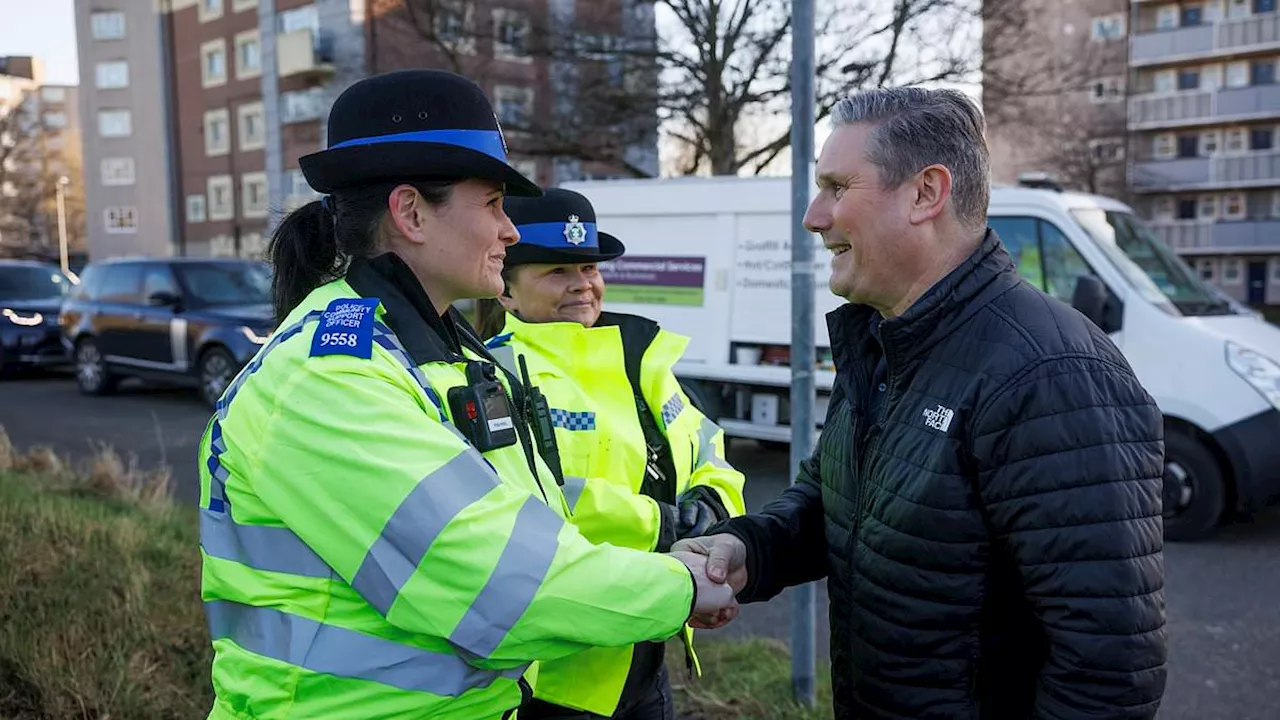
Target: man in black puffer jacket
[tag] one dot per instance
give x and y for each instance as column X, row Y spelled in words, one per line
column 985, row 499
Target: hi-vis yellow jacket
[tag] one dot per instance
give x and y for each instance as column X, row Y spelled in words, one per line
column 362, row 560
column 603, row 454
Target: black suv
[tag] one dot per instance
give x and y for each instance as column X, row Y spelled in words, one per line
column 194, row 322
column 30, row 295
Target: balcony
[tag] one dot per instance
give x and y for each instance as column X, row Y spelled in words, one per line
column 1224, row 171
column 304, row 53
column 1155, row 111
column 1200, row 236
column 1259, row 33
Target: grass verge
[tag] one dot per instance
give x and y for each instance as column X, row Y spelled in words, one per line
column 742, row 679
column 100, row 614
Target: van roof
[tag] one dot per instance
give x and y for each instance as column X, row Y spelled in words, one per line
column 1066, row 200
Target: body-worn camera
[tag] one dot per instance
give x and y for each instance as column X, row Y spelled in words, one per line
column 481, row 411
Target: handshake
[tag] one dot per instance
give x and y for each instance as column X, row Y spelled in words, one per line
column 718, row 564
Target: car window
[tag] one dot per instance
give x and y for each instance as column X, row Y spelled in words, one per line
column 31, row 282
column 157, row 278
column 1062, row 263
column 90, row 283
column 121, row 284
column 1019, row 237
column 226, row 283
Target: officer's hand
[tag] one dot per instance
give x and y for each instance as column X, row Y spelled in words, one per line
column 714, row 599
column 696, row 517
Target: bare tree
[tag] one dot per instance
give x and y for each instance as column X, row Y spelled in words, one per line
column 705, row 70
column 31, row 162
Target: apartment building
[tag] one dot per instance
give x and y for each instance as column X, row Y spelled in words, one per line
column 1198, row 91
column 42, row 128
column 127, row 179
column 1054, row 91
column 1205, row 118
column 240, row 90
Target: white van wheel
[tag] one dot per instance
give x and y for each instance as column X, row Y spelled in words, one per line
column 1195, row 494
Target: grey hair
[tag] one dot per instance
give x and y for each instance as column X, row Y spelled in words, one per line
column 916, row 128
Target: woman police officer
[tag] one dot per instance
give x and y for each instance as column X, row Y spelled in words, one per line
column 379, row 539
column 643, row 467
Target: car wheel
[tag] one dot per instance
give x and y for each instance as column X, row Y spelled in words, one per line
column 217, row 369
column 92, row 375
column 1195, row 493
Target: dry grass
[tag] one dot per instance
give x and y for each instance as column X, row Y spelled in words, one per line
column 742, row 679
column 100, row 616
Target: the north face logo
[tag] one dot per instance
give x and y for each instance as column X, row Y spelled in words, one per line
column 939, row 418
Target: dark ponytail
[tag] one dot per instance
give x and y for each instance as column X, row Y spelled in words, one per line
column 314, row 243
column 491, row 317
column 304, row 256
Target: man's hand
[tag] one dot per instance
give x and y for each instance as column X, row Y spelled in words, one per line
column 714, row 599
column 726, row 561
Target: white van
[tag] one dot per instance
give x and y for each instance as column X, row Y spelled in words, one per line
column 709, row 258
column 1213, row 369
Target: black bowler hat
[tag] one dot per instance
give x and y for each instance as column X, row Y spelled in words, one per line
column 559, row 227
column 413, row 124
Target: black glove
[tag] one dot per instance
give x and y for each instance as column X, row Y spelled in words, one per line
column 698, row 510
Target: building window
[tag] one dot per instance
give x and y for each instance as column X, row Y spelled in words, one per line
column 253, row 200
column 301, row 105
column 1165, row 146
column 1165, row 81
column 115, row 123
column 1186, row 209
column 252, row 124
column 1211, row 77
column 1167, row 17
column 238, row 5
column 1275, row 204
column 107, row 25
column 217, row 138
column 248, row 55
column 527, row 168
column 1107, row 89
column 1233, row 206
column 111, row 75
column 209, row 9
column 1189, row 79
column 117, row 171
column 195, row 208
column 1262, row 72
column 1107, row 150
column 221, row 205
column 303, row 18
column 1236, row 138
column 1261, row 139
column 1208, row 207
column 514, row 105
column 455, row 24
column 1237, row 74
column 1192, row 15
column 1208, row 269
column 1232, row 271
column 1188, row 146
column 1261, row 6
column 52, row 94
column 1163, row 208
column 213, row 62
column 510, row 34
column 121, row 220
column 1238, row 9
column 56, row 119
column 1210, row 142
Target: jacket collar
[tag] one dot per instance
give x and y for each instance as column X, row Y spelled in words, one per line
column 409, row 312
column 983, row 276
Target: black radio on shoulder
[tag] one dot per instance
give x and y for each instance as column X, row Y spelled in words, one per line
column 481, row 411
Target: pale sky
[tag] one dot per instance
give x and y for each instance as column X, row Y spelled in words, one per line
column 45, row 29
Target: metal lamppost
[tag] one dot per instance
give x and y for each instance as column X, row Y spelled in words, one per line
column 63, row 182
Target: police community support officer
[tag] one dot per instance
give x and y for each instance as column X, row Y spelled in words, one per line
column 642, row 466
column 379, row 539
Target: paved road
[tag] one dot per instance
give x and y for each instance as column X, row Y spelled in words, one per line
column 1223, row 605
